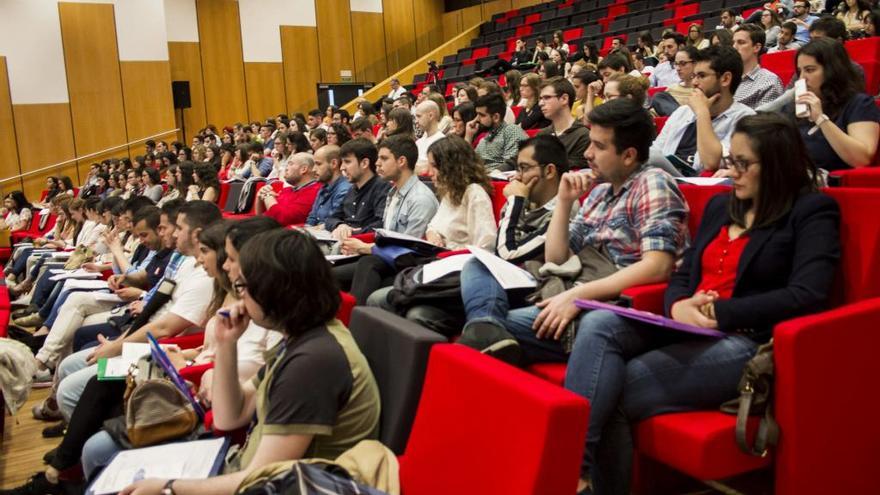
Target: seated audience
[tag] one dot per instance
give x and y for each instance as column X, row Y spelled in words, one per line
column 291, row 206
column 206, row 185
column 802, row 19
column 853, row 13
column 400, row 122
column 587, row 86
column 461, row 115
column 152, row 184
column 317, row 138
column 777, row 241
column 695, row 37
column 363, row 208
column 530, row 116
column 557, row 97
column 428, row 119
column 664, row 74
column 409, row 206
column 785, row 39
column 843, row 124
column 334, row 187
column 697, row 135
column 363, row 128
column 337, row 134
column 684, row 67
column 16, row 212
column 758, row 85
column 521, row 54
column 643, row 199
column 500, row 142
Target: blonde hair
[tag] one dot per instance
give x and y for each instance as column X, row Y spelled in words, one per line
column 631, row 86
column 534, row 82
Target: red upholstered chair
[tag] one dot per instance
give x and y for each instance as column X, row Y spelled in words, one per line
column 532, row 132
column 659, row 122
column 526, row 439
column 224, row 194
column 498, row 198
column 859, row 177
column 781, row 64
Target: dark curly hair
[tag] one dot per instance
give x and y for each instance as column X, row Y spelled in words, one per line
column 458, row 166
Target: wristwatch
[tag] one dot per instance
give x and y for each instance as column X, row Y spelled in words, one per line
column 821, row 120
column 168, row 489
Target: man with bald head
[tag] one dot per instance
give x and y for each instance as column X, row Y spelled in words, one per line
column 428, row 118
column 292, row 205
column 328, row 172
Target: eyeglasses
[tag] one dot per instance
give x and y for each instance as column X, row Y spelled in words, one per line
column 683, row 63
column 522, row 168
column 741, row 166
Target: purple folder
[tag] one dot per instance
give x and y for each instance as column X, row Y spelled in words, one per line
column 646, row 317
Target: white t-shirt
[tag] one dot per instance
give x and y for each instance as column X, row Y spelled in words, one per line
column 192, row 295
column 425, row 142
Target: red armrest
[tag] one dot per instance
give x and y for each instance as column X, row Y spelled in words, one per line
column 369, row 237
column 106, row 274
column 185, row 341
column 825, row 407
column 646, row 297
column 194, row 373
column 446, row 254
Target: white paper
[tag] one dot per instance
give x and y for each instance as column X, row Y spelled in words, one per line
column 131, row 352
column 62, row 254
column 108, row 297
column 85, row 284
column 440, row 268
column 499, row 175
column 61, row 274
column 321, row 235
column 192, row 460
column 704, row 181
column 508, row 275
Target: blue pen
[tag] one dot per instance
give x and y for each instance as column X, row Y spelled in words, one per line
column 224, row 313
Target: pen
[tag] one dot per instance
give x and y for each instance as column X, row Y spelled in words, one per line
column 224, row 313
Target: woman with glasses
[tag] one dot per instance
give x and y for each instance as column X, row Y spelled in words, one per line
column 763, row 253
column 152, row 184
column 695, row 37
column 772, row 25
column 338, row 134
column 530, row 117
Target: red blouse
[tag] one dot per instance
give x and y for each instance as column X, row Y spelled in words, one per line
column 720, row 261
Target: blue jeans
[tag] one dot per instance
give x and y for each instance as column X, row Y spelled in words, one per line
column 631, row 371
column 43, row 289
column 97, row 452
column 483, row 297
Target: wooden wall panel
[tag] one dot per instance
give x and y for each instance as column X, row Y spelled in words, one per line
column 334, row 31
column 495, row 7
column 471, row 16
column 88, row 32
column 428, row 25
column 9, row 165
column 400, row 34
column 186, row 65
column 518, row 4
column 45, row 136
column 149, row 105
column 451, row 25
column 265, row 89
column 368, row 34
column 299, row 50
column 222, row 61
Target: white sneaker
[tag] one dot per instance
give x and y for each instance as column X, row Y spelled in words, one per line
column 42, row 379
column 23, row 301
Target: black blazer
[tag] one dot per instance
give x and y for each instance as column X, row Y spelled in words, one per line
column 786, row 269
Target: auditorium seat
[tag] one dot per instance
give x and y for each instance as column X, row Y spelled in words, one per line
column 780, row 63
column 485, row 427
column 397, row 351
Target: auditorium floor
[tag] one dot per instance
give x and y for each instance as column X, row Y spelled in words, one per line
column 21, row 454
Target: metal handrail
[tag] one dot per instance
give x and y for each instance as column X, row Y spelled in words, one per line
column 97, row 153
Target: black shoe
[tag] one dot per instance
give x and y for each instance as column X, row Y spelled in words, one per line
column 492, row 340
column 20, row 313
column 54, row 431
column 49, row 456
column 38, row 485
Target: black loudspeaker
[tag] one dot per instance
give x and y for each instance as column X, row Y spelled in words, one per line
column 180, row 90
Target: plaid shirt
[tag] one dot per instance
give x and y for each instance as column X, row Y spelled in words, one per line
column 500, row 145
column 758, row 87
column 648, row 213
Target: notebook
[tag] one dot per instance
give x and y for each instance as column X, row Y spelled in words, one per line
column 653, row 319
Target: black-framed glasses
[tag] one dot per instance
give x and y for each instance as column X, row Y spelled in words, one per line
column 683, row 63
column 741, row 166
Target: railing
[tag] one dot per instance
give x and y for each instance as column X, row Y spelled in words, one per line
column 86, row 157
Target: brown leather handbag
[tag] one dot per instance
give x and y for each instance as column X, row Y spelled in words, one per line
column 756, row 398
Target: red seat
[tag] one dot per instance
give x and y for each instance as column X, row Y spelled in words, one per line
column 532, row 18
column 522, row 31
column 859, row 177
column 452, row 449
column 516, row 109
column 532, row 132
column 780, row 63
column 659, row 122
column 250, row 212
column 498, row 198
column 573, row 33
column 224, row 194
column 658, row 89
column 606, row 46
column 864, row 49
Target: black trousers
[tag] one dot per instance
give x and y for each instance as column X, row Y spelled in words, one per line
column 370, row 275
column 100, row 401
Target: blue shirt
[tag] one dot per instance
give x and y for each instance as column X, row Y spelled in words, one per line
column 329, row 200
column 265, row 167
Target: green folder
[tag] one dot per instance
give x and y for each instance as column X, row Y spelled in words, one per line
column 102, row 370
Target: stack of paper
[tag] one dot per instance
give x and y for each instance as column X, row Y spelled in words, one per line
column 508, row 275
column 62, row 274
column 116, row 368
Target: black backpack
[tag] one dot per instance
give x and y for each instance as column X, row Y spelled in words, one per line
column 309, row 479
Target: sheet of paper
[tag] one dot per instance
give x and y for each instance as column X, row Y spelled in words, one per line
column 321, row 235
column 704, row 181
column 507, row 274
column 131, row 351
column 442, row 267
column 86, row 284
column 61, row 274
column 333, row 258
column 193, row 460
column 107, row 296
column 499, row 175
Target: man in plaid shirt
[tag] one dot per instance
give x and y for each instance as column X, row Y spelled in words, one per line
column 631, row 230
